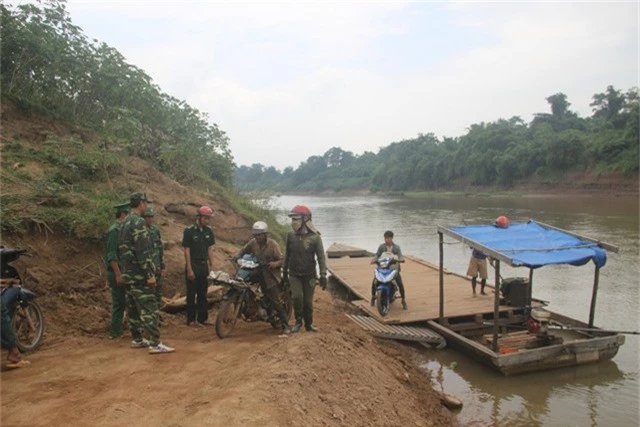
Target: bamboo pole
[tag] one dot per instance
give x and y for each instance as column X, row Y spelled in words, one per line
column 594, row 295
column 529, row 293
column 441, row 246
column 496, row 306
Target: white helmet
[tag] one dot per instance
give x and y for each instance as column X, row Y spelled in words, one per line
column 259, row 227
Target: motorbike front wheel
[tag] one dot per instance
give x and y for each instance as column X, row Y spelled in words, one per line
column 28, row 323
column 382, row 303
column 227, row 317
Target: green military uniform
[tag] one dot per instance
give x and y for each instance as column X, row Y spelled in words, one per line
column 118, row 295
column 198, row 241
column 134, row 251
column 300, row 263
column 157, row 254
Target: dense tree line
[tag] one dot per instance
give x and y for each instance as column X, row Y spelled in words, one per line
column 47, row 63
column 500, row 153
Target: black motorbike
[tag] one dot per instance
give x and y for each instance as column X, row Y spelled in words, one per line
column 243, row 298
column 26, row 314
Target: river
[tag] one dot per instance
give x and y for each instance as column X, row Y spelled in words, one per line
column 603, row 394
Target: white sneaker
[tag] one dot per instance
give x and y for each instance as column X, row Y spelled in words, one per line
column 143, row 343
column 160, row 348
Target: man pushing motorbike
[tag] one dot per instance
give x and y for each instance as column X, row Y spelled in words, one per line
column 268, row 252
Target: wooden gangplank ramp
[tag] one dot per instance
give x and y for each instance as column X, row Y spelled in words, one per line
column 399, row 332
column 422, row 284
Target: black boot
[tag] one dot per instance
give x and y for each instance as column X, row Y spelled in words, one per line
column 295, row 328
column 404, row 304
column 284, row 322
column 310, row 328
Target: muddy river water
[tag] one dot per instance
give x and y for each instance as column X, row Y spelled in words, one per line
column 603, row 394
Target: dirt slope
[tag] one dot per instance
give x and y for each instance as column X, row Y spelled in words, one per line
column 338, row 377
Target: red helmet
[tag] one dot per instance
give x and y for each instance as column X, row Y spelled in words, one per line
column 502, row 222
column 300, row 210
column 205, row 211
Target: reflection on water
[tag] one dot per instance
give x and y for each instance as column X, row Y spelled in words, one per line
column 543, row 398
column 604, row 394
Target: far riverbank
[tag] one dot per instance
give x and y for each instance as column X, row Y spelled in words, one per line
column 576, row 184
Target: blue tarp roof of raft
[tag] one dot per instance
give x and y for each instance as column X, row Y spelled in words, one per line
column 532, row 245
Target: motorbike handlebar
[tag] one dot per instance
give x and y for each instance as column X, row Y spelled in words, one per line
column 393, row 261
column 7, row 252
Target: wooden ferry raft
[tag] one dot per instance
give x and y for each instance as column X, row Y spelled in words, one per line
column 352, row 268
column 482, row 326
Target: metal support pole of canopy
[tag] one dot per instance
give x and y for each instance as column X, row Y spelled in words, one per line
column 594, row 295
column 496, row 306
column 441, row 245
column 529, row 294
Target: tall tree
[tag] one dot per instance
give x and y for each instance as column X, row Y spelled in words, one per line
column 608, row 105
column 559, row 105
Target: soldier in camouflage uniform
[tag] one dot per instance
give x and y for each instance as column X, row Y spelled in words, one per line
column 138, row 275
column 304, row 246
column 114, row 278
column 157, row 253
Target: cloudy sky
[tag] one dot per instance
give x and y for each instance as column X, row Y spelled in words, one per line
column 287, row 80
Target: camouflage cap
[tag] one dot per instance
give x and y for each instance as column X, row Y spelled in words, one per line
column 149, row 211
column 138, row 197
column 122, row 207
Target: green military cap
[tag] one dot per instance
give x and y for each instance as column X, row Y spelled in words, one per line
column 149, row 211
column 138, row 197
column 122, row 207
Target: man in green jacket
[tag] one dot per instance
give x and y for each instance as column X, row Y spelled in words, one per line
column 304, row 247
column 139, row 277
column 197, row 243
column 114, row 277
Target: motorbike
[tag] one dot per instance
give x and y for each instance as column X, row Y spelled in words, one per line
column 385, row 282
column 243, row 298
column 26, row 315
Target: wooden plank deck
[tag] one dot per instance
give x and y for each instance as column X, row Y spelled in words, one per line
column 422, row 284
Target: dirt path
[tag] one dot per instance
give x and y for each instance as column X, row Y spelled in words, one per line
column 338, row 377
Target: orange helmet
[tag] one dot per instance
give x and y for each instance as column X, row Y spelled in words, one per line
column 502, row 222
column 205, row 211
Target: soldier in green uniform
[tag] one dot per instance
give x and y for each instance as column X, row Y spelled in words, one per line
column 304, row 246
column 138, row 275
column 114, row 277
column 157, row 253
column 197, row 242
